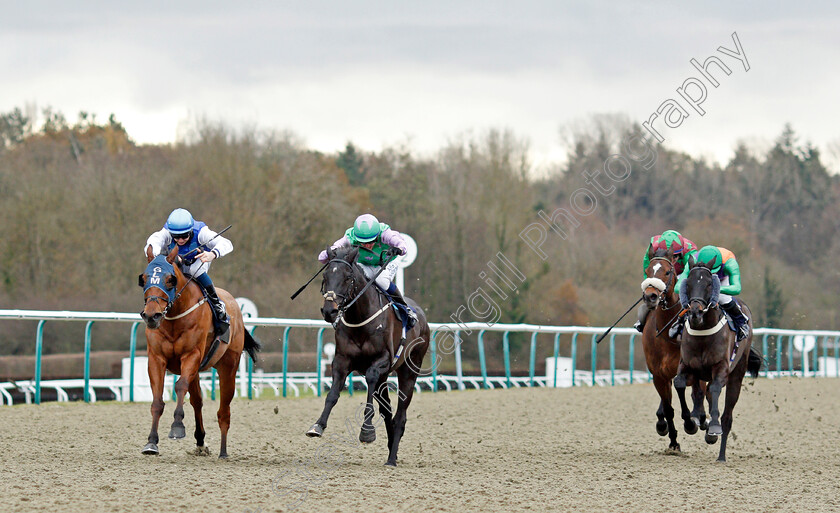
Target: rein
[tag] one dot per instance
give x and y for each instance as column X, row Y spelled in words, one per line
column 175, row 300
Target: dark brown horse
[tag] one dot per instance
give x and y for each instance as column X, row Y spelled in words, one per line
column 179, row 334
column 367, row 339
column 662, row 353
column 710, row 353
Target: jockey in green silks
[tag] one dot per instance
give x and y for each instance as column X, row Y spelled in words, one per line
column 373, row 238
column 725, row 267
column 680, row 249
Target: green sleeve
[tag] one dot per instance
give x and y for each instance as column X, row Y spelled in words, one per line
column 732, row 270
column 646, row 262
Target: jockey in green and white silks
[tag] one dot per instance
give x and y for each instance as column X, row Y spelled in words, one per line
column 188, row 234
column 373, row 238
column 725, row 267
column 680, row 248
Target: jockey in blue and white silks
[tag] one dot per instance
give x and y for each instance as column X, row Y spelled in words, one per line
column 183, row 231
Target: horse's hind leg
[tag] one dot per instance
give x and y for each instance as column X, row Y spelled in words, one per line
column 373, row 377
column 407, row 378
column 157, row 373
column 197, row 402
column 227, row 387
column 384, row 400
column 733, row 391
column 341, row 368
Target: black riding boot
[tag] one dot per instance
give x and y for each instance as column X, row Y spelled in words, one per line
column 733, row 310
column 397, row 297
column 221, row 323
column 642, row 318
column 676, row 328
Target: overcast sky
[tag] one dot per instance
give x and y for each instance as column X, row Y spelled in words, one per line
column 384, row 73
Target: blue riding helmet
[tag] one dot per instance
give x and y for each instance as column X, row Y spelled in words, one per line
column 180, row 221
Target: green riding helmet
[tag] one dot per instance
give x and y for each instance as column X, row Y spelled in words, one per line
column 711, row 256
column 366, row 228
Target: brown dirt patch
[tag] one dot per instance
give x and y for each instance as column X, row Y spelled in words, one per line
column 582, row 449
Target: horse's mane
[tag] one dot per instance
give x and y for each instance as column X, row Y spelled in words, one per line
column 663, row 253
column 344, row 252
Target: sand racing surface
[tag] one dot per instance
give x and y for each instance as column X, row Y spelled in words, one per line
column 581, row 449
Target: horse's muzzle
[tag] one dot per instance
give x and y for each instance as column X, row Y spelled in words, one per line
column 329, row 311
column 152, row 321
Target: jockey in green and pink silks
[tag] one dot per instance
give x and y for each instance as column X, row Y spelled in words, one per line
column 680, row 249
column 373, row 238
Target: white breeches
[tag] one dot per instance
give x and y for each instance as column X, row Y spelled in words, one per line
column 724, row 299
column 383, row 280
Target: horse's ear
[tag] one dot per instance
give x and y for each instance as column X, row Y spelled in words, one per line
column 330, row 253
column 692, row 260
column 711, row 263
column 352, row 255
column 171, row 281
column 149, row 255
column 172, row 254
column 141, row 280
column 651, row 251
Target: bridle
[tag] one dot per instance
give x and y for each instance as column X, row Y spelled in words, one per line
column 331, row 295
column 702, row 300
column 663, row 297
column 173, row 301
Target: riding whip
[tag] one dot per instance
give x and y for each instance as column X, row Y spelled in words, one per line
column 187, row 254
column 619, row 320
column 310, row 281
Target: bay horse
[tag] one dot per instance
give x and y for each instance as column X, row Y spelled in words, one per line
column 367, row 339
column 662, row 353
column 180, row 335
column 709, row 352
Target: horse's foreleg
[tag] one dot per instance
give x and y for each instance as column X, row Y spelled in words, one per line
column 157, row 373
column 698, row 414
column 340, row 370
column 197, row 402
column 715, row 387
column 373, row 378
column 189, row 372
column 407, row 378
column 665, row 413
column 680, row 383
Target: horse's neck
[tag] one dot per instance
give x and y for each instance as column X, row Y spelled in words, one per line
column 367, row 305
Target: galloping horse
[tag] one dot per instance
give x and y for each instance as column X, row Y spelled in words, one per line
column 367, row 338
column 710, row 352
column 179, row 334
column 662, row 353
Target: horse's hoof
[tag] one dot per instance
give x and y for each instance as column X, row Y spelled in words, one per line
column 315, row 430
column 662, row 428
column 390, row 463
column 705, row 424
column 367, row 436
column 690, row 427
column 177, row 432
column 151, row 449
column 715, row 430
column 711, row 439
column 223, row 456
column 201, row 451
column 674, row 449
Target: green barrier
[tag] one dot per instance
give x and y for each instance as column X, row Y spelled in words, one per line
column 481, row 360
column 433, row 347
column 612, row 359
column 88, row 328
column 285, row 357
column 213, row 384
column 318, row 359
column 631, row 356
column 556, row 356
column 132, row 348
column 532, row 361
column 574, row 357
column 39, row 348
column 506, row 350
column 594, row 358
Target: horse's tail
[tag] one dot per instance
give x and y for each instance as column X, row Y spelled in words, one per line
column 754, row 361
column 252, row 345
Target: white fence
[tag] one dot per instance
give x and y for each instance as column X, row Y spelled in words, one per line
column 133, row 384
